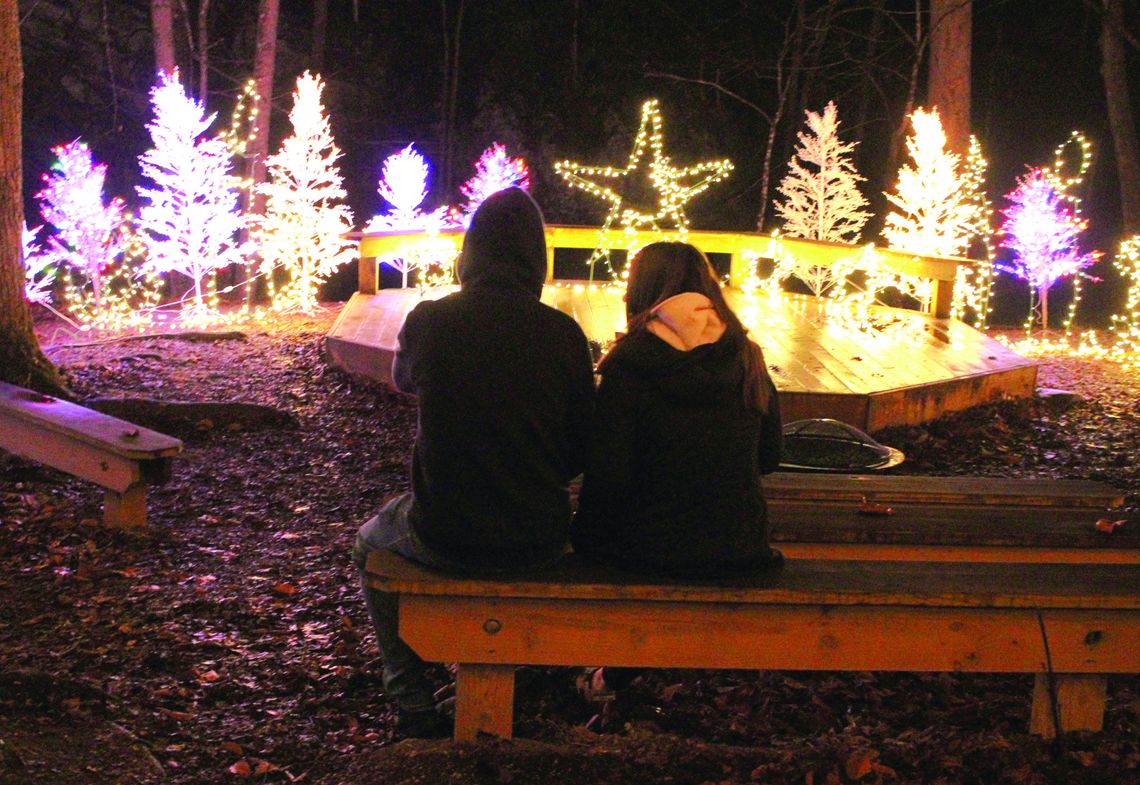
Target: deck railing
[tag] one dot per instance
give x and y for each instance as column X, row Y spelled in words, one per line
column 941, row 271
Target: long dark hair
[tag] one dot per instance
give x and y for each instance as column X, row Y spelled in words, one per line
column 663, row 270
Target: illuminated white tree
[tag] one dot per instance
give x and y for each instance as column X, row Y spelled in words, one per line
column 89, row 234
column 305, row 218
column 494, row 171
column 39, row 270
column 189, row 219
column 931, row 214
column 822, row 199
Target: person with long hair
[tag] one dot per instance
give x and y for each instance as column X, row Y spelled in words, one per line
column 686, row 420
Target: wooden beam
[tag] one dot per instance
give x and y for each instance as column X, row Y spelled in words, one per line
column 763, row 637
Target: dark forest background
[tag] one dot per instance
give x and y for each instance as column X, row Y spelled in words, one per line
column 554, row 79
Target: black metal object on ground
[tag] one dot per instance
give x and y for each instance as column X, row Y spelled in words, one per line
column 832, row 446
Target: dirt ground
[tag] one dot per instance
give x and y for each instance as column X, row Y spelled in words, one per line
column 228, row 641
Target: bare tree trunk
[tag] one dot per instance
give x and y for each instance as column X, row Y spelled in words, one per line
column 320, row 27
column 785, row 84
column 451, row 39
column 951, row 23
column 900, row 134
column 265, row 60
column 162, row 22
column 203, row 51
column 21, row 361
column 1114, row 69
column 865, row 86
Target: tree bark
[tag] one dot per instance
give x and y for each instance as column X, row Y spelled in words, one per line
column 320, row 28
column 162, row 22
column 949, row 69
column 1114, row 69
column 451, row 39
column 265, row 60
column 203, row 51
column 21, row 360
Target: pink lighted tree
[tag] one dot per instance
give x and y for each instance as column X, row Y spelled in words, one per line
column 1042, row 231
column 494, row 171
column 88, row 232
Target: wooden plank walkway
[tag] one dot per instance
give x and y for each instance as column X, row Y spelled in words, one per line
column 870, row 381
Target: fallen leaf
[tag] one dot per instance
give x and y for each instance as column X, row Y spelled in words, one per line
column 1105, row 526
column 867, row 507
column 233, row 746
column 860, row 764
column 287, row 589
column 241, row 768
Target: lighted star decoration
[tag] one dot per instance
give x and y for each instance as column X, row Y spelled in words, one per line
column 674, row 186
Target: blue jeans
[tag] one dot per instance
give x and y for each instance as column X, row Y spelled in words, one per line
column 404, row 676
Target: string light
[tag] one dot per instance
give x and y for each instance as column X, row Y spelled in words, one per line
column 973, row 286
column 667, row 180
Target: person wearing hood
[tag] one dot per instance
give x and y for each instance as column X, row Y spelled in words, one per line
column 505, row 395
column 686, row 421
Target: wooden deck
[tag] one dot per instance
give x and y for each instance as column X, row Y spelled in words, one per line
column 915, row 371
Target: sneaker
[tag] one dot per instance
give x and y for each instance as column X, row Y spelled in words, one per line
column 425, row 724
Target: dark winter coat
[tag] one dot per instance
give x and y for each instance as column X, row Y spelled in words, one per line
column 505, row 386
column 672, row 485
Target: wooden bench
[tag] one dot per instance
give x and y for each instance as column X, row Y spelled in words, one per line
column 948, row 518
column 1069, row 626
column 118, row 455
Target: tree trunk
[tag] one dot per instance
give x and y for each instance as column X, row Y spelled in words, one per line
column 21, row 361
column 949, row 74
column 203, row 51
column 265, row 60
column 1114, row 69
column 162, row 22
column 451, row 38
column 320, row 27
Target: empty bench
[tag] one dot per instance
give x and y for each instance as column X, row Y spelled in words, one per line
column 120, row 456
column 949, row 519
column 1069, row 626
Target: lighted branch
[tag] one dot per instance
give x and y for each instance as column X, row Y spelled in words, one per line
column 189, row 218
column 673, row 186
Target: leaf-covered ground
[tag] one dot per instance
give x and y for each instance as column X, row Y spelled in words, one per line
column 228, row 642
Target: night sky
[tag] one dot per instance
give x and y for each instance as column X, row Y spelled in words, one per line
column 557, row 79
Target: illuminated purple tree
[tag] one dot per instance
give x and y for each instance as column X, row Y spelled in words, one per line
column 494, row 171
column 1042, row 231
column 404, row 185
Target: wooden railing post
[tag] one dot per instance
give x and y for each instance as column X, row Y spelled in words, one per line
column 368, row 275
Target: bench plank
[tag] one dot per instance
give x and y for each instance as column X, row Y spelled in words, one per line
column 843, row 488
column 800, row 581
column 84, row 425
column 951, row 532
column 767, row 637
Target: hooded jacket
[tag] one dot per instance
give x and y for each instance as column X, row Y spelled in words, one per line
column 672, row 485
column 505, row 388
